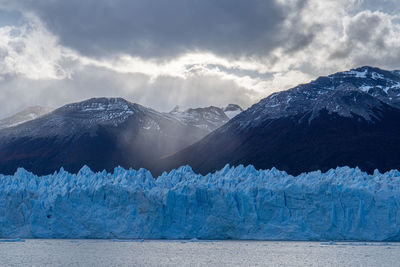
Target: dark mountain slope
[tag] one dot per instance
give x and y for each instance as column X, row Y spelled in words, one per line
column 333, row 121
column 101, row 132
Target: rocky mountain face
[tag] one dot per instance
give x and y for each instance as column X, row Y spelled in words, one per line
column 348, row 118
column 102, row 133
column 25, row 115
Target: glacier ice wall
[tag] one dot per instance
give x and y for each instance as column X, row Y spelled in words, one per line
column 235, row 202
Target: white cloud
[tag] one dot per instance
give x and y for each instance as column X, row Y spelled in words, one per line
column 345, row 36
column 32, row 51
column 369, row 37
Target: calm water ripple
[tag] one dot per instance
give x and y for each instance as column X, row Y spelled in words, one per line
column 55, row 252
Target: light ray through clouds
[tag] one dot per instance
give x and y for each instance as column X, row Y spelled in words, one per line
column 43, row 54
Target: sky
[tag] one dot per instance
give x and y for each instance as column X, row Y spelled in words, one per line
column 162, row 53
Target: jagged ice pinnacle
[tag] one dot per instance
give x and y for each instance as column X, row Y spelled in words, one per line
column 235, row 202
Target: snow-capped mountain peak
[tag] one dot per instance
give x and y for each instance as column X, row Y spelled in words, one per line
column 86, row 116
column 332, row 121
column 207, row 118
column 127, row 134
column 370, row 86
column 358, row 73
column 372, row 80
column 113, row 110
column 232, row 110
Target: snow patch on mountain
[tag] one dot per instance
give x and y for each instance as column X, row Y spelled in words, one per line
column 235, row 202
column 347, row 101
column 357, row 73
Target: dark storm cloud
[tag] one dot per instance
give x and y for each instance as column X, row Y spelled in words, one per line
column 158, row 28
column 255, row 47
column 301, row 40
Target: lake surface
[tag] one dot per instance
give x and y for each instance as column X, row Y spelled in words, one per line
column 56, row 252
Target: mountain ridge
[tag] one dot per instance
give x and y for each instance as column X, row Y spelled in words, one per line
column 100, row 132
column 344, row 119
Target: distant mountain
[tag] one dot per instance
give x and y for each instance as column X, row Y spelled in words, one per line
column 208, row 118
column 232, row 110
column 102, row 133
column 348, row 118
column 25, row 115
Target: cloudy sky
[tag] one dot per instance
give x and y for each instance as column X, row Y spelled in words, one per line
column 161, row 53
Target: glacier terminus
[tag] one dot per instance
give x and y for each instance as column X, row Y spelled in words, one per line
column 232, row 203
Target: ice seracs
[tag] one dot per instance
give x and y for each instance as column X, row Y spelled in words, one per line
column 235, row 202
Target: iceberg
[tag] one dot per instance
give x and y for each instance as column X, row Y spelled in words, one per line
column 232, row 203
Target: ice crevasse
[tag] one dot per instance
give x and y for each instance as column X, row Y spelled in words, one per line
column 233, row 203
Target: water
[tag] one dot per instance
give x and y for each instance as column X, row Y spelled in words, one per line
column 57, row 252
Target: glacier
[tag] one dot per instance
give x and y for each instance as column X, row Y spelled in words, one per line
column 232, row 203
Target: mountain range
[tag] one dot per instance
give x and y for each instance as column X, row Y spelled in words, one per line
column 349, row 118
column 103, row 133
